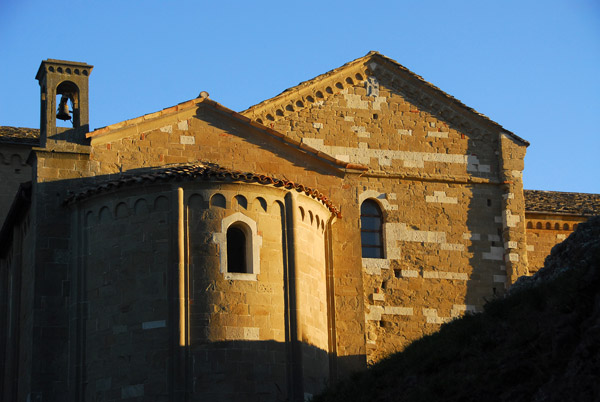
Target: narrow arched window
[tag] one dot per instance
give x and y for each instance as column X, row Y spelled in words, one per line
column 236, row 250
column 371, row 230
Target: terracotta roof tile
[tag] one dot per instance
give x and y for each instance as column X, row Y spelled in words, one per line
column 562, row 203
column 199, row 171
column 19, row 135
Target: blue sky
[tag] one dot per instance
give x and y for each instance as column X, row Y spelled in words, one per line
column 531, row 66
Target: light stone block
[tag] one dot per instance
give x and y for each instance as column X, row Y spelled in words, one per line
column 445, row 275
column 242, row 333
column 374, row 313
column 500, row 278
column 154, row 324
column 495, row 253
column 452, row 247
column 438, row 320
column 437, row 134
column 187, row 139
column 513, row 257
column 430, row 312
column 440, row 197
column 510, row 220
column 409, row 273
column 167, row 129
column 183, row 125
column 397, row 310
column 355, row 102
column 378, row 101
column 363, row 154
column 459, row 309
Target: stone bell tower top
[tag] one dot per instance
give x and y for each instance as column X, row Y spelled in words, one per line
column 69, row 79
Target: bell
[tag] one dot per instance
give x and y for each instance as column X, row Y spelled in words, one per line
column 63, row 109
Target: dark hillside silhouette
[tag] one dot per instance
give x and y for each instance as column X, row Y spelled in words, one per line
column 540, row 343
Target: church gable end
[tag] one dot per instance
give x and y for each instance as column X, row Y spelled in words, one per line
column 375, row 112
column 203, row 130
column 148, row 263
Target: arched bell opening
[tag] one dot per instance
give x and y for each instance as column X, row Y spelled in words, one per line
column 68, row 108
column 64, row 89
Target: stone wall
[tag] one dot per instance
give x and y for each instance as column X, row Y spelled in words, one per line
column 13, row 171
column 544, row 231
column 126, row 266
column 16, row 318
column 453, row 220
column 232, row 338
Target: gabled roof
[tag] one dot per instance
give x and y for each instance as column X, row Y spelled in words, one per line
column 204, row 171
column 19, row 135
column 413, row 81
column 194, row 103
column 555, row 202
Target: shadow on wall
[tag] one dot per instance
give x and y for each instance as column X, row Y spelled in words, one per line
column 253, row 371
column 461, row 259
column 259, row 138
column 110, row 329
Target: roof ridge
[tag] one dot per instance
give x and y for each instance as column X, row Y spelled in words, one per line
column 560, row 192
column 373, row 54
column 310, row 81
column 240, row 117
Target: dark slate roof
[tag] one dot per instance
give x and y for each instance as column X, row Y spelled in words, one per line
column 199, row 171
column 562, row 203
column 19, row 135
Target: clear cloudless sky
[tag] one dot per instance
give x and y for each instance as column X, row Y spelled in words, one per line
column 531, row 66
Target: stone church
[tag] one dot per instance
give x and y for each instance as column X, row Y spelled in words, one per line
column 198, row 253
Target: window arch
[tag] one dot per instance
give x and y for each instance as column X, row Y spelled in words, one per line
column 371, row 229
column 237, row 249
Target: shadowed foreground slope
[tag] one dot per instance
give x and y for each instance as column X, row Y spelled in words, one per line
column 541, row 343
